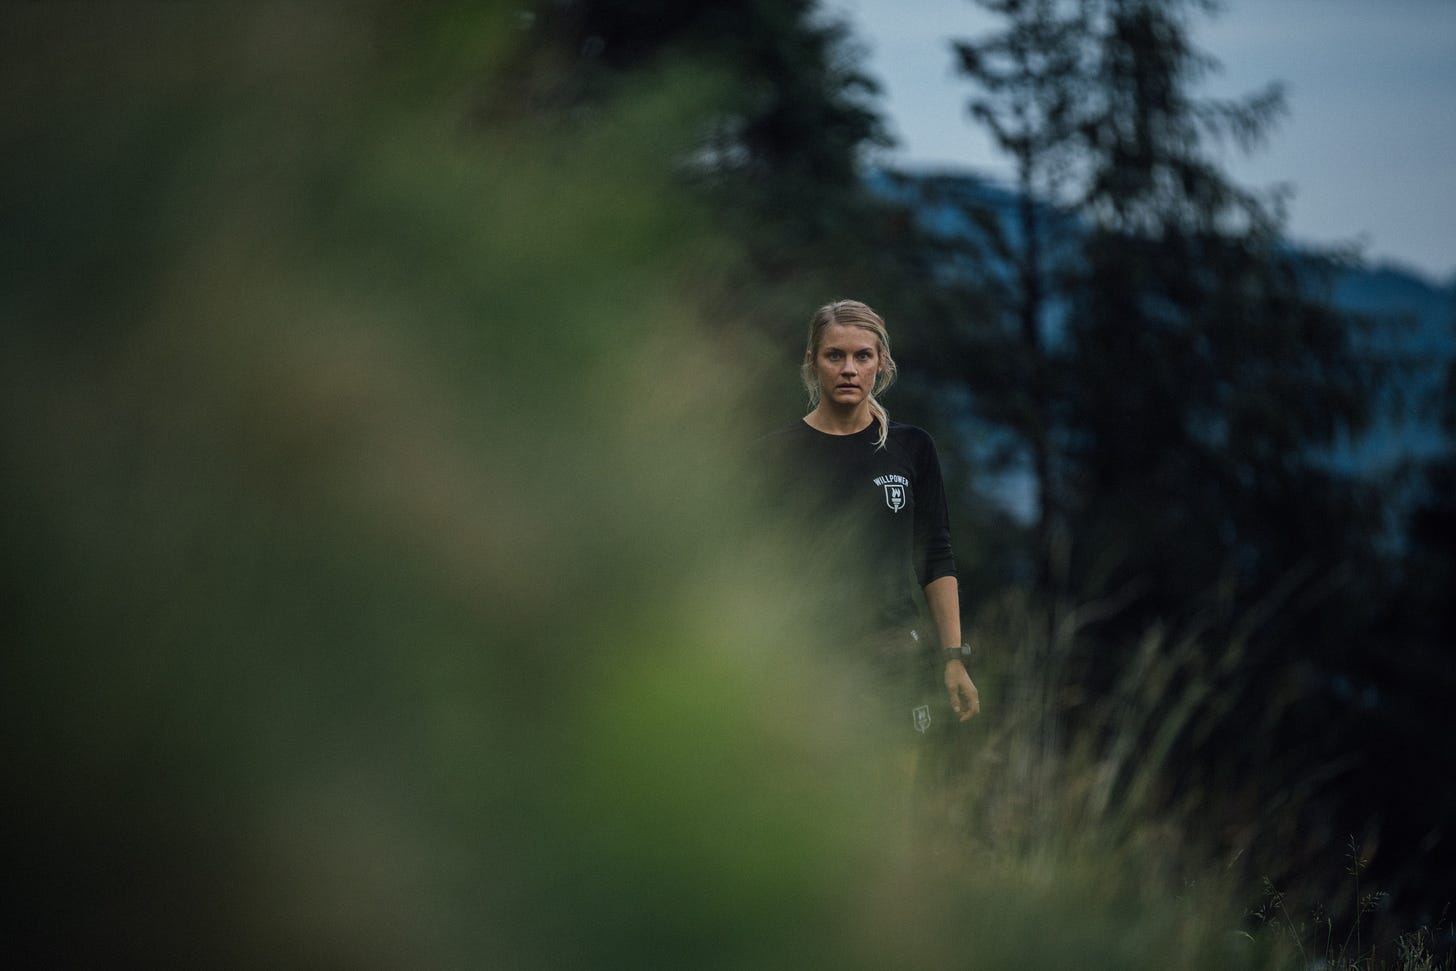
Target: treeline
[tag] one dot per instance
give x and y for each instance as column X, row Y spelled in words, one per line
column 1136, row 340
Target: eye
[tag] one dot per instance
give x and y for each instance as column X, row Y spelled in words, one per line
column 863, row 355
column 834, row 355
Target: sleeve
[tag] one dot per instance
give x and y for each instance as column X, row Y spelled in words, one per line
column 933, row 556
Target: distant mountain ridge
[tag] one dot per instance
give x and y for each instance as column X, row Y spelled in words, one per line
column 1405, row 428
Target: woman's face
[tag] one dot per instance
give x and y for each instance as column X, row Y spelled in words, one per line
column 847, row 363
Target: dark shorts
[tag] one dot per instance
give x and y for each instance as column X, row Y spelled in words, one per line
column 916, row 733
column 910, row 683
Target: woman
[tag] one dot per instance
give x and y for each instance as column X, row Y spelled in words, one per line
column 873, row 493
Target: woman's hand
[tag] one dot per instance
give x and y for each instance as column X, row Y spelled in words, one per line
column 965, row 700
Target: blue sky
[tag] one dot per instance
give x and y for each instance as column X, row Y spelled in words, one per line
column 1368, row 145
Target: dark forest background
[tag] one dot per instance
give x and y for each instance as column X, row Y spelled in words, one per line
column 380, row 581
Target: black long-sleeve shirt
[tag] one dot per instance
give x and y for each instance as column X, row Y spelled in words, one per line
column 875, row 519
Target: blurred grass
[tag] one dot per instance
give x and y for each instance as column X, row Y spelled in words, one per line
column 368, row 504
column 382, row 588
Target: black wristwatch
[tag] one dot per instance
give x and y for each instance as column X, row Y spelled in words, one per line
column 962, row 654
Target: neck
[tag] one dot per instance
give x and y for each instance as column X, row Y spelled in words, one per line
column 840, row 421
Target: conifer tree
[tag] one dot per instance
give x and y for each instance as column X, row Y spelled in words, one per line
column 1198, row 380
column 1033, row 78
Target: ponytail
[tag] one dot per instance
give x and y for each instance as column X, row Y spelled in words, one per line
column 883, row 417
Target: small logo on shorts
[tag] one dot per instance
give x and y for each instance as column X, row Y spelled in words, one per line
column 922, row 718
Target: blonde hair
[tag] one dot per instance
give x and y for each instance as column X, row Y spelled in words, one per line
column 851, row 313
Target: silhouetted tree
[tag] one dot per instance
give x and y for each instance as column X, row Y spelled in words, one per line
column 784, row 129
column 1200, row 381
column 1033, row 76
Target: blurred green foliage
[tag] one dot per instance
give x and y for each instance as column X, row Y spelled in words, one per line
column 368, row 516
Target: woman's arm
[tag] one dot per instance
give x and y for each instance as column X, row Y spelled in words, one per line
column 942, row 595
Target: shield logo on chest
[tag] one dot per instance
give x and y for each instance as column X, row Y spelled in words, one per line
column 895, row 496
